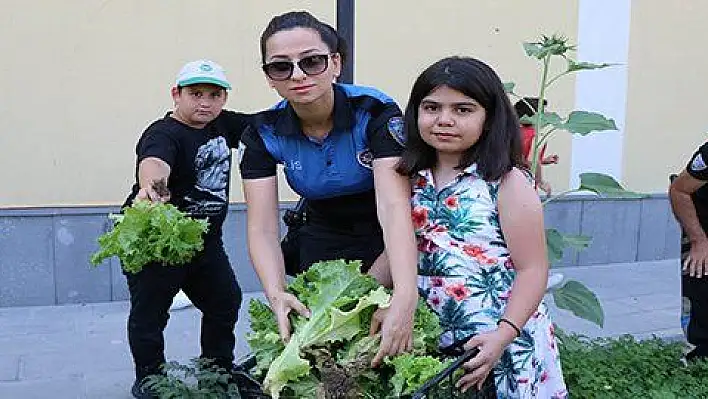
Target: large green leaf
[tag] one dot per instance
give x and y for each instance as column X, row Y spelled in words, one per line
column 556, row 242
column 602, row 184
column 583, row 122
column 584, row 66
column 579, row 300
column 547, row 118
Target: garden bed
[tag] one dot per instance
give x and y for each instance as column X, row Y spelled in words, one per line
column 626, row 368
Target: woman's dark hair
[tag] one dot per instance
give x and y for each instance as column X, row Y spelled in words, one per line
column 498, row 149
column 303, row 19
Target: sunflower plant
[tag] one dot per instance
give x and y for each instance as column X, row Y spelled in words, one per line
column 572, row 295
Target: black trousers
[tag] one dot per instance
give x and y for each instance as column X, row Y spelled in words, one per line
column 331, row 242
column 696, row 290
column 210, row 284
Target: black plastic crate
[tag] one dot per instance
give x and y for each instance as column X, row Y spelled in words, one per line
column 441, row 386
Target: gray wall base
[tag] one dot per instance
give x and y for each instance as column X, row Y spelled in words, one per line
column 44, row 252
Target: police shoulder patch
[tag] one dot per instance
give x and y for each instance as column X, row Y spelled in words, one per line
column 395, row 129
column 698, row 164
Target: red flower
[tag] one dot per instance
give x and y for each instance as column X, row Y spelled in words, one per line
column 458, row 291
column 426, row 246
column 452, row 202
column 421, row 182
column 434, row 301
column 436, row 282
column 488, row 261
column 473, row 250
column 440, row 229
column 544, row 376
column 523, row 380
column 420, row 217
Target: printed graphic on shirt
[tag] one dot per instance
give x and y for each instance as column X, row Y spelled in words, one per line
column 698, row 164
column 212, row 166
column 240, row 150
column 395, row 129
column 365, row 158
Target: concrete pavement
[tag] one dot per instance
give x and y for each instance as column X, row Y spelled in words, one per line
column 81, row 351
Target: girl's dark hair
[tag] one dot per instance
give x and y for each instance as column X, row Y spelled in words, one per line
column 498, row 149
column 303, row 19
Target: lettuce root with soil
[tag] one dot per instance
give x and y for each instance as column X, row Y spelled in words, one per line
column 329, row 354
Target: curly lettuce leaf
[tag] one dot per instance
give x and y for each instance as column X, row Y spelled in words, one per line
column 151, row 232
column 264, row 338
column 412, row 371
column 336, row 293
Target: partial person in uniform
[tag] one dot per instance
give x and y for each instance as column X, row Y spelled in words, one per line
column 189, row 152
column 339, row 145
column 688, row 194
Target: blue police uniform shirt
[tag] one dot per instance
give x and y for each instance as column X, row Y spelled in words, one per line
column 334, row 175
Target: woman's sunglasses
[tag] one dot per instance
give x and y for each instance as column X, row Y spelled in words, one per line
column 283, row 70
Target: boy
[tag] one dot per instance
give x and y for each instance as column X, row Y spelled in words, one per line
column 188, row 151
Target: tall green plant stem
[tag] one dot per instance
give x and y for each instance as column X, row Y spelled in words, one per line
column 539, row 112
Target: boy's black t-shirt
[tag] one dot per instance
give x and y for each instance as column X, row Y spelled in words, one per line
column 200, row 163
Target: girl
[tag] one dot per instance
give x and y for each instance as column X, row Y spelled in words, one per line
column 479, row 225
column 340, row 145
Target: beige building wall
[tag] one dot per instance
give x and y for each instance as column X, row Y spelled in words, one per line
column 666, row 105
column 395, row 41
column 81, row 79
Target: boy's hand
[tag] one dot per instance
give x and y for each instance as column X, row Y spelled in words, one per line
column 157, row 192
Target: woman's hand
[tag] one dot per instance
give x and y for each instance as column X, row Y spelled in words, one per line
column 282, row 303
column 491, row 345
column 396, row 325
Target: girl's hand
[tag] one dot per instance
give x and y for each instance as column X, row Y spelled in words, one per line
column 396, row 324
column 491, row 345
column 282, row 303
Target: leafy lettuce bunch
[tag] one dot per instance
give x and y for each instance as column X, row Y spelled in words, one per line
column 329, row 354
column 151, row 232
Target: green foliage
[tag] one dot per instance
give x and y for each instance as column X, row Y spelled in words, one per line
column 582, row 302
column 601, row 184
column 625, row 368
column 151, row 232
column 556, row 242
column 198, row 380
column 331, row 351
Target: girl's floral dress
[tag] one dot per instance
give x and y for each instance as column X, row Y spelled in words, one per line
column 465, row 274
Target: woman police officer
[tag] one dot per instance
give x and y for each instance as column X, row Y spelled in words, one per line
column 339, row 145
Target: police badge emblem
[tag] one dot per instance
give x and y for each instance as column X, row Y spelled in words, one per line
column 395, row 129
column 698, row 164
column 365, row 158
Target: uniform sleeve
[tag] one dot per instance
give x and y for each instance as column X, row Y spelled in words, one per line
column 232, row 124
column 255, row 161
column 385, row 132
column 158, row 144
column 697, row 166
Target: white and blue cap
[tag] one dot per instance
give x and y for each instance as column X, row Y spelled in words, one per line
column 202, row 71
